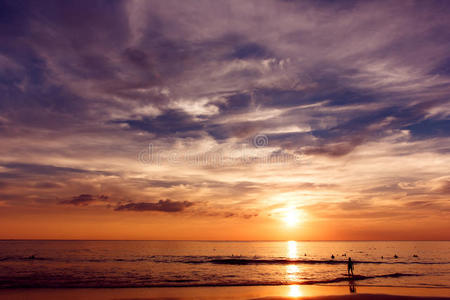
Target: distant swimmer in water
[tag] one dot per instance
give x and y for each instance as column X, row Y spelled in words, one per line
column 395, row 256
column 350, row 266
column 415, row 255
column 332, row 256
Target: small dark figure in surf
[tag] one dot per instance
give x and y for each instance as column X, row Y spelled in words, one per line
column 350, row 266
column 395, row 256
column 332, row 256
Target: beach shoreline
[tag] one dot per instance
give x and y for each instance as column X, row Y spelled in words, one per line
column 226, row 293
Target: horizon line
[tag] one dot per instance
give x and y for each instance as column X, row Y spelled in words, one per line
column 194, row 240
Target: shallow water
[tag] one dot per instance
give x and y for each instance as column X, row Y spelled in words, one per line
column 184, row 263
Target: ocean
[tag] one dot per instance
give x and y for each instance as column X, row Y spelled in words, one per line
column 87, row 264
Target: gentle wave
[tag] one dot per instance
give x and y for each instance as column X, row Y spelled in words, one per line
column 219, row 260
column 357, row 278
column 55, row 282
column 243, row 261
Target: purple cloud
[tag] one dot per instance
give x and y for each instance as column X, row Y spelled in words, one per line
column 84, row 199
column 162, row 205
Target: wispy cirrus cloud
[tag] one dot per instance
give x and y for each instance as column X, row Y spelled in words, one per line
column 359, row 90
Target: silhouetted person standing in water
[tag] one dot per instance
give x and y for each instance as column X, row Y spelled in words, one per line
column 350, row 266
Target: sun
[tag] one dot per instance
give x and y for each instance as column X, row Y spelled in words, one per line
column 291, row 218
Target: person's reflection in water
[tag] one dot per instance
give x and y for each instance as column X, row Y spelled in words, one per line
column 351, row 286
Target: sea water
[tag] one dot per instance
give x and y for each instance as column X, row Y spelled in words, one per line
column 199, row 263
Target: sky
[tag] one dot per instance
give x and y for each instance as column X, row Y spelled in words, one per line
column 225, row 120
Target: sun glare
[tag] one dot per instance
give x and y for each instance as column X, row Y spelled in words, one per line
column 291, row 218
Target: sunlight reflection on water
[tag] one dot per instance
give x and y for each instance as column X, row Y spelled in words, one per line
column 291, row 272
column 295, row 291
column 292, row 249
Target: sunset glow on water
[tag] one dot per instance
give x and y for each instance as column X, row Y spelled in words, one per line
column 183, row 263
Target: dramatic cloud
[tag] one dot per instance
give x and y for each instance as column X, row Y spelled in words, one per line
column 162, row 205
column 165, row 100
column 84, row 199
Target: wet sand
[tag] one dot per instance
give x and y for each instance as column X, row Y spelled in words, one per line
column 227, row 293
